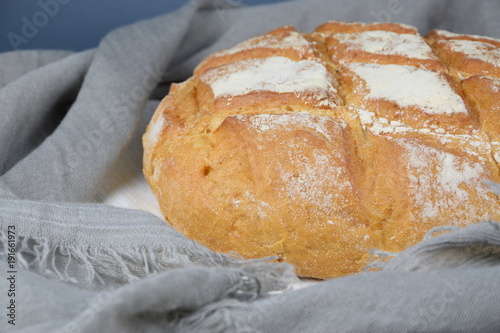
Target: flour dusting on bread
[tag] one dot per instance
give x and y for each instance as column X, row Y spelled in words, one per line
column 290, row 40
column 388, row 43
column 410, row 86
column 276, row 74
column 477, row 50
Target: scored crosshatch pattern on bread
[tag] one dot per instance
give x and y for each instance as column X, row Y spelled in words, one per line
column 318, row 147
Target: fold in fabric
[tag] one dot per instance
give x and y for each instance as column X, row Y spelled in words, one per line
column 30, row 118
column 86, row 267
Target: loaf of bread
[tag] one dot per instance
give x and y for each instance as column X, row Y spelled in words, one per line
column 316, row 148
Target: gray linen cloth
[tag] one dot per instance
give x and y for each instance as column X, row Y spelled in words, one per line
column 70, row 265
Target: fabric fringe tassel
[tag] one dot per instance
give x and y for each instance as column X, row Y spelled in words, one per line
column 103, row 267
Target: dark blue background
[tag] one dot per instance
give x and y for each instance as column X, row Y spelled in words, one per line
column 77, row 24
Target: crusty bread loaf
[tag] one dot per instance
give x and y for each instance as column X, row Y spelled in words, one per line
column 318, row 147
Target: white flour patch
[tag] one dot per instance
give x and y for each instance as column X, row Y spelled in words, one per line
column 409, row 86
column 387, row 43
column 275, row 74
column 476, row 50
column 289, row 40
column 439, row 180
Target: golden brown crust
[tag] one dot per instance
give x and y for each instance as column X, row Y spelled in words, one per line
column 467, row 55
column 483, row 94
column 352, row 27
column 435, row 34
column 318, row 147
